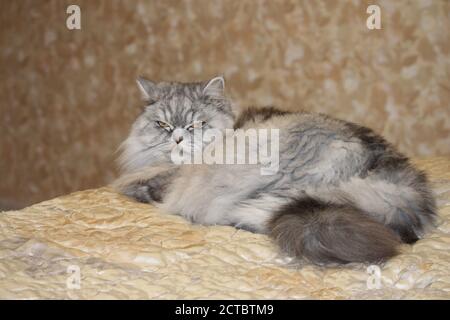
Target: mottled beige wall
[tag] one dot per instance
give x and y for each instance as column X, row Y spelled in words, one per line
column 67, row 98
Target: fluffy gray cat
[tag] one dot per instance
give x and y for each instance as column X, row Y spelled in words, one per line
column 341, row 194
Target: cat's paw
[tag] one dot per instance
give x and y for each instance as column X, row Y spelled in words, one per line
column 139, row 192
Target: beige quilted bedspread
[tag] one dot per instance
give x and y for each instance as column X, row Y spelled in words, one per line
column 96, row 244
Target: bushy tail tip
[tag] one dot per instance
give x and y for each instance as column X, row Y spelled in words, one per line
column 325, row 233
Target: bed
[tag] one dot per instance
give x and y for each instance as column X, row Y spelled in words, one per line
column 97, row 244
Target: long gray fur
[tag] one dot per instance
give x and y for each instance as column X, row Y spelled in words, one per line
column 341, row 194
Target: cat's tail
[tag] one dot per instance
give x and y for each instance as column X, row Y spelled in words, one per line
column 327, row 233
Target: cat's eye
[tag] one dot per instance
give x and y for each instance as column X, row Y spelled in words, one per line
column 164, row 125
column 195, row 125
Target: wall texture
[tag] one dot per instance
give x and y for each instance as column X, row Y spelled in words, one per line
column 67, row 98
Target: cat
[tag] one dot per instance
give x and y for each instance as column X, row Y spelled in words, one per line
column 341, row 194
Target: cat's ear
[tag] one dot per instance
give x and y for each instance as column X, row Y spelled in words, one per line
column 215, row 87
column 149, row 89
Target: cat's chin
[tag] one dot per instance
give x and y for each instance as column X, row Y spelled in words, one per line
column 181, row 148
column 185, row 153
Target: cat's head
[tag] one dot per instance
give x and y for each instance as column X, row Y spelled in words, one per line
column 173, row 111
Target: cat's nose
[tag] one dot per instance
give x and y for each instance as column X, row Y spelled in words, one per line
column 178, row 139
column 178, row 135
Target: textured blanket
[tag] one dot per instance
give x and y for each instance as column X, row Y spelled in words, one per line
column 96, row 244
